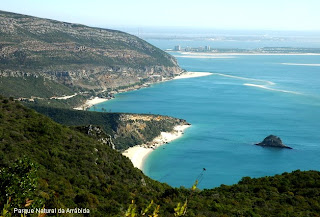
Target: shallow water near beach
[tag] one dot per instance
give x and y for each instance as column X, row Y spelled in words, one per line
column 246, row 99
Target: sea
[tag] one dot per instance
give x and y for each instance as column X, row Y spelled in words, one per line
column 247, row 98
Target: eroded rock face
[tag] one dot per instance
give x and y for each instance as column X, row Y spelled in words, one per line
column 273, row 141
column 79, row 55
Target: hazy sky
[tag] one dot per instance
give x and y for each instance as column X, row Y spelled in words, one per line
column 219, row 14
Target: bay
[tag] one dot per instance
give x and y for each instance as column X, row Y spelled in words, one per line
column 246, row 99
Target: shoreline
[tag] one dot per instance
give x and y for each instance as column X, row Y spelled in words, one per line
column 91, row 102
column 246, row 54
column 139, row 153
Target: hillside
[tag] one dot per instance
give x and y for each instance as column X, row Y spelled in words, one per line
column 64, row 58
column 75, row 170
column 125, row 130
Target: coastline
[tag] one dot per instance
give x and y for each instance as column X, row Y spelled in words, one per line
column 216, row 55
column 91, row 102
column 138, row 154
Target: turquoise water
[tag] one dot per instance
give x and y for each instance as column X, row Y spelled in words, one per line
column 246, row 99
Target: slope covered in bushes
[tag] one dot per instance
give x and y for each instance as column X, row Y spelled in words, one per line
column 67, row 169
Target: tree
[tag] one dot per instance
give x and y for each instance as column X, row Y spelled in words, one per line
column 18, row 184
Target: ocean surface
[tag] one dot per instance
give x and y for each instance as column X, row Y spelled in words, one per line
column 244, row 100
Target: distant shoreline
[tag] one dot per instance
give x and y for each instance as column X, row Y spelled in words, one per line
column 245, row 54
column 97, row 100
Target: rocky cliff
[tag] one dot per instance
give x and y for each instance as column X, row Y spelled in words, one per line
column 78, row 56
column 119, row 130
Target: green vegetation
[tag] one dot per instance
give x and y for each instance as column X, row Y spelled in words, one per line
column 67, row 169
column 44, row 163
column 37, row 91
column 42, row 43
column 19, row 183
column 25, row 87
column 61, row 58
column 57, row 103
column 74, row 170
column 289, row 194
column 124, row 132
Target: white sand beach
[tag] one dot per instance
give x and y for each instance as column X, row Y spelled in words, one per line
column 90, row 103
column 138, row 154
column 192, row 75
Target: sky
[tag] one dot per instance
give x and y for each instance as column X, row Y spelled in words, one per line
column 212, row 14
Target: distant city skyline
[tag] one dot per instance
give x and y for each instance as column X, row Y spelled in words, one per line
column 278, row 15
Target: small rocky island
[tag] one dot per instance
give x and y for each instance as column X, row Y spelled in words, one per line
column 273, row 141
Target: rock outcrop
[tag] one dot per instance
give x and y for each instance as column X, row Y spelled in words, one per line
column 79, row 56
column 273, row 141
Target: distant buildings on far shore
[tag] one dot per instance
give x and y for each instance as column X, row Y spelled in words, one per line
column 177, row 48
column 264, row 50
column 197, row 49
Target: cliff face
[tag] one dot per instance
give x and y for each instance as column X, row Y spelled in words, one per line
column 78, row 55
column 138, row 129
column 130, row 129
column 120, row 130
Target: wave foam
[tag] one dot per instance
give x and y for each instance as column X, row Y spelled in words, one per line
column 265, row 86
column 272, row 89
column 300, row 64
column 244, row 78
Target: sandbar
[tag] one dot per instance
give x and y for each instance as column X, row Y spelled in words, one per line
column 192, row 75
column 246, row 54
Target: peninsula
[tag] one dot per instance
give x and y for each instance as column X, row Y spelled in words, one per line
column 71, row 159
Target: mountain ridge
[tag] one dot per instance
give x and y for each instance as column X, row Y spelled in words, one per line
column 79, row 57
